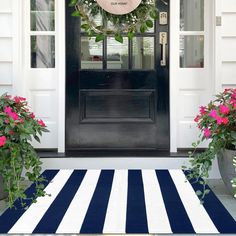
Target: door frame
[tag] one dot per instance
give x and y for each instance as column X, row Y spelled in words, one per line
column 173, row 70
column 60, row 18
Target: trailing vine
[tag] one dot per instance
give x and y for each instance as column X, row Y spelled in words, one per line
column 234, row 180
column 138, row 21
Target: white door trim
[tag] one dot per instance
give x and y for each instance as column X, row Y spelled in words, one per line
column 61, row 60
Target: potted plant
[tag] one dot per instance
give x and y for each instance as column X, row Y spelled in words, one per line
column 217, row 125
column 18, row 127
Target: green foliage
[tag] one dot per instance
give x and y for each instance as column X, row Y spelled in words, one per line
column 18, row 127
column 217, row 125
column 234, row 180
column 119, row 26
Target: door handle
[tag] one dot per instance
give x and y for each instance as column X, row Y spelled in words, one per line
column 163, row 43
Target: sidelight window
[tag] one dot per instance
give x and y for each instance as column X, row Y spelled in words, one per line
column 192, row 32
column 42, row 33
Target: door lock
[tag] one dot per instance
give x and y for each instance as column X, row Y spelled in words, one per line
column 163, row 43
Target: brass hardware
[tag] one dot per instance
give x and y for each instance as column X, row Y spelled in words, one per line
column 163, row 18
column 163, row 42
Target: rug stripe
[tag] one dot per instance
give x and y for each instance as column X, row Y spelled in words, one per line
column 156, row 212
column 10, row 216
column 95, row 217
column 199, row 218
column 223, row 221
column 52, row 218
column 136, row 211
column 74, row 216
column 36, row 211
column 116, row 210
column 177, row 215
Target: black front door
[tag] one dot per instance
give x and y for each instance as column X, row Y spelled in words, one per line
column 117, row 95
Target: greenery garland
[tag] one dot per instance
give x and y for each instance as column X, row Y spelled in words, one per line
column 139, row 20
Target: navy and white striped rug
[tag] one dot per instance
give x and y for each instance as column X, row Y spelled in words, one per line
column 118, row 201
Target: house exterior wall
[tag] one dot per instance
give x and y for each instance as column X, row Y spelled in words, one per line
column 190, row 87
column 6, row 46
column 227, row 41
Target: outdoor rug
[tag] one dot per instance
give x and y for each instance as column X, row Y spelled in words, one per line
column 118, row 201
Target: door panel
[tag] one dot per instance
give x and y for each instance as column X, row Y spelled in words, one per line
column 117, row 96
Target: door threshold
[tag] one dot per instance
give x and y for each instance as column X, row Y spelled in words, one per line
column 112, row 153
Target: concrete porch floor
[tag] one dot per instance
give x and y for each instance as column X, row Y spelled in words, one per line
column 216, row 185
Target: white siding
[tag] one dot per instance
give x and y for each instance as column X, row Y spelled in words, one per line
column 6, row 46
column 228, row 42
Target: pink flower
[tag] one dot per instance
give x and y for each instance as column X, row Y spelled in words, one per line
column 32, row 115
column 207, row 133
column 226, row 91
column 41, row 123
column 224, row 109
column 22, row 99
column 6, row 121
column 2, row 141
column 202, row 110
column 17, row 100
column 8, row 110
column 225, row 120
column 196, row 119
column 13, row 115
column 7, row 97
column 21, row 121
column 213, row 114
column 219, row 120
column 233, row 95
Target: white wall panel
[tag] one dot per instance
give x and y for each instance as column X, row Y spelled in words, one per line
column 228, row 6
column 43, row 104
column 5, row 5
column 229, row 72
column 188, row 134
column 5, row 89
column 228, row 24
column 227, row 44
column 5, row 73
column 6, row 25
column 190, row 103
column 42, row 79
column 48, row 140
column 5, row 49
column 229, row 49
column 6, row 46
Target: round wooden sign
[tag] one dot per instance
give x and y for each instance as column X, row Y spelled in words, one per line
column 119, row 7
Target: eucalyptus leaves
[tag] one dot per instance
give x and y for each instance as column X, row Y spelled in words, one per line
column 137, row 21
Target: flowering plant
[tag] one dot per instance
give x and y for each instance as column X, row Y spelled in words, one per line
column 17, row 128
column 217, row 123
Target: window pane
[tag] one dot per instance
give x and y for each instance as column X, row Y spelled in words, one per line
column 191, row 51
column 117, row 54
column 42, row 51
column 192, row 15
column 143, row 53
column 91, row 54
column 42, row 5
column 42, row 15
column 42, row 21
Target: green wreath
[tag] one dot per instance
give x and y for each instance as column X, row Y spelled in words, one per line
column 119, row 26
